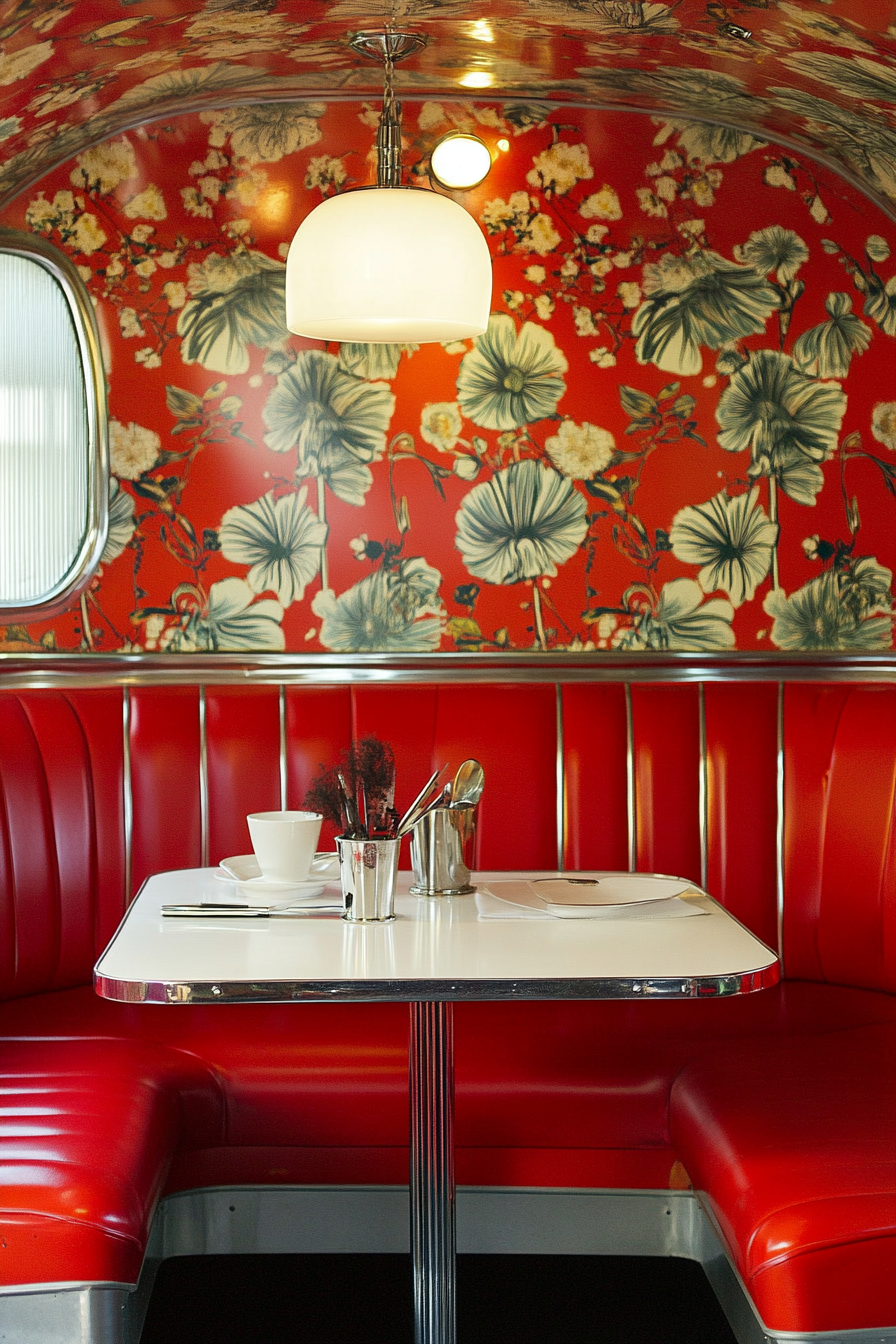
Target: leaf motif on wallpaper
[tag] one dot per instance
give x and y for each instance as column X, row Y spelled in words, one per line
column 866, row 144
column 703, row 92
column 372, row 360
column 869, row 81
column 681, row 620
column 698, row 301
column 702, row 141
column 230, row 619
column 788, row 422
column 238, row 300
column 880, row 304
column 827, row 349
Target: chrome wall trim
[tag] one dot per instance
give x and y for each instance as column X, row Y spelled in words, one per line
column 36, row 670
column 284, row 773
column 631, row 798
column 561, row 783
column 127, row 795
column 84, row 322
column 203, row 781
column 779, row 826
column 703, row 791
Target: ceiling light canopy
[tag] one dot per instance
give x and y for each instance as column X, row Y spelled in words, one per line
column 388, row 263
column 460, row 161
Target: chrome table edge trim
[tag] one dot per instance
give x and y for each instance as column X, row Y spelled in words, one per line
column 431, row 991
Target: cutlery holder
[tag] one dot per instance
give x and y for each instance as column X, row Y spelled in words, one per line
column 367, row 869
column 442, row 852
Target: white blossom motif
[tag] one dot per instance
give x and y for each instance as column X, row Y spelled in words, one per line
column 121, row 522
column 511, row 379
column 337, row 422
column 559, row 168
column 580, row 451
column 104, row 166
column 133, row 449
column 733, row 540
column 389, row 611
column 441, row 424
column 883, row 424
column 281, row 539
column 521, row 524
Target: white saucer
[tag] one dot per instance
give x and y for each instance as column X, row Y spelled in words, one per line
column 244, row 869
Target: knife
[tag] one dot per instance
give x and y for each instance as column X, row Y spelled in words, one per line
column 212, row 911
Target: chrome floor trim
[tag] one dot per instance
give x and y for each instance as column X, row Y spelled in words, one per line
column 88, row 1314
column 345, row 1219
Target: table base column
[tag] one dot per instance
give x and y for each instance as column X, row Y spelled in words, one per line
column 431, row 1069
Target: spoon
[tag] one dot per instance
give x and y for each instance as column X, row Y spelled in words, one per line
column 468, row 785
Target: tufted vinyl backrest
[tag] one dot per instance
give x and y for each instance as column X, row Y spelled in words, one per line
column 675, row 777
column 840, row 834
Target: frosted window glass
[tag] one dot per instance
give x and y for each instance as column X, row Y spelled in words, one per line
column 44, row 434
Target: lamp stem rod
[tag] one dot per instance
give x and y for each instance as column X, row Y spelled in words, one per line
column 388, row 134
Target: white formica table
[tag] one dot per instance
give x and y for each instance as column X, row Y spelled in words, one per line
column 435, row 952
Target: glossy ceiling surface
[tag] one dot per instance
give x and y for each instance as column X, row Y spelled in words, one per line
column 819, row 74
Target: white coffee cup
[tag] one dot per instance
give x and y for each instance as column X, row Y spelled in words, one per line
column 284, row 843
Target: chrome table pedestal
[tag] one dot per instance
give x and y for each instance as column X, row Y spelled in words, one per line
column 431, row 1087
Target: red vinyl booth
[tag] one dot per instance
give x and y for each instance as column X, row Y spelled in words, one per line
column 779, row 1108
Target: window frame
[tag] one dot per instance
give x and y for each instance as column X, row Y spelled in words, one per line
column 72, row 584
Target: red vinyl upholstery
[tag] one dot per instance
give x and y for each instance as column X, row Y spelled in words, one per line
column 147, row 1099
column 814, row 1241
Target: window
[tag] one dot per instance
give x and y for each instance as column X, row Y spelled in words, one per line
column 54, row 463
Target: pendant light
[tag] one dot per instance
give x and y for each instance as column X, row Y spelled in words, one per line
column 388, row 263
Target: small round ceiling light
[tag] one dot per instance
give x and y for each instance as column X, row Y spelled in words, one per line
column 460, row 161
column 477, row 79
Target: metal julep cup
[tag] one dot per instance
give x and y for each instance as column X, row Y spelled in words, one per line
column 367, row 869
column 442, row 852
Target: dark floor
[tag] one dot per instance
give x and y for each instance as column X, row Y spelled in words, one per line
column 366, row 1299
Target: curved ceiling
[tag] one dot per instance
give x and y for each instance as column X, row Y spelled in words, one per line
column 820, row 74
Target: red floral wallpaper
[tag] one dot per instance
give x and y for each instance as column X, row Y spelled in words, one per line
column 679, row 431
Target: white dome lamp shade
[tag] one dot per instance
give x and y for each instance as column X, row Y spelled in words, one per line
column 388, row 264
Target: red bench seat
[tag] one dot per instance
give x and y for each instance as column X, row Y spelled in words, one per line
column 88, row 1129
column 791, row 1143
